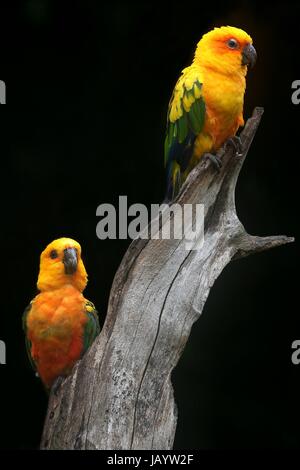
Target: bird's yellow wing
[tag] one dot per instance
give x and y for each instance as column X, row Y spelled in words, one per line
column 185, row 121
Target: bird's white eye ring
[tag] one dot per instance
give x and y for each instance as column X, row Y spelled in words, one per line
column 232, row 43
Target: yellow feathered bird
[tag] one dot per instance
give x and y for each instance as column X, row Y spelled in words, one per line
column 59, row 323
column 206, row 108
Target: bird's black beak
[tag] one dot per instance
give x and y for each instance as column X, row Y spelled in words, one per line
column 249, row 55
column 70, row 260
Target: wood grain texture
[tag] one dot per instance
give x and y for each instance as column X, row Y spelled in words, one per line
column 120, row 395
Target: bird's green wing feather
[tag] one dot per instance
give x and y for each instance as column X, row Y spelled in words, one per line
column 186, row 116
column 92, row 327
column 27, row 340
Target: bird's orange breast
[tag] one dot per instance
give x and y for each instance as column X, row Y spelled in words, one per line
column 224, row 101
column 55, row 327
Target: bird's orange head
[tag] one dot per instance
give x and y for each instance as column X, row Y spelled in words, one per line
column 226, row 50
column 61, row 264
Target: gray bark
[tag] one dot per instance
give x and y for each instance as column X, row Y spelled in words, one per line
column 120, row 395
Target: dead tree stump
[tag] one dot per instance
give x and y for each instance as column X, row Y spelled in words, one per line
column 120, row 395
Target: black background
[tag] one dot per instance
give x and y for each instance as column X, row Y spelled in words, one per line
column 88, row 85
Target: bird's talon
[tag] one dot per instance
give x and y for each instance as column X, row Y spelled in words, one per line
column 215, row 160
column 236, row 143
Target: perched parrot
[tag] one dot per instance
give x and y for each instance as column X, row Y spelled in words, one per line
column 59, row 323
column 206, row 108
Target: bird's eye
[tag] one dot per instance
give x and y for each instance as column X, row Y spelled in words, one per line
column 53, row 254
column 232, row 43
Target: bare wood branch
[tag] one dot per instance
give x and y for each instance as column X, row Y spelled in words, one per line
column 120, row 395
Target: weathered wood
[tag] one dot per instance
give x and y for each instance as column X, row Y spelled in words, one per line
column 120, row 395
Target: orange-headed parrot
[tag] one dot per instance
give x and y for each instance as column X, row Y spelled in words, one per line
column 206, row 108
column 59, row 324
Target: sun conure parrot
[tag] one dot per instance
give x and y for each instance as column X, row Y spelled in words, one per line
column 206, row 108
column 59, row 324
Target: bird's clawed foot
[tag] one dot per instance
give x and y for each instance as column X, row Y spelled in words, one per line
column 57, row 385
column 216, row 161
column 235, row 143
